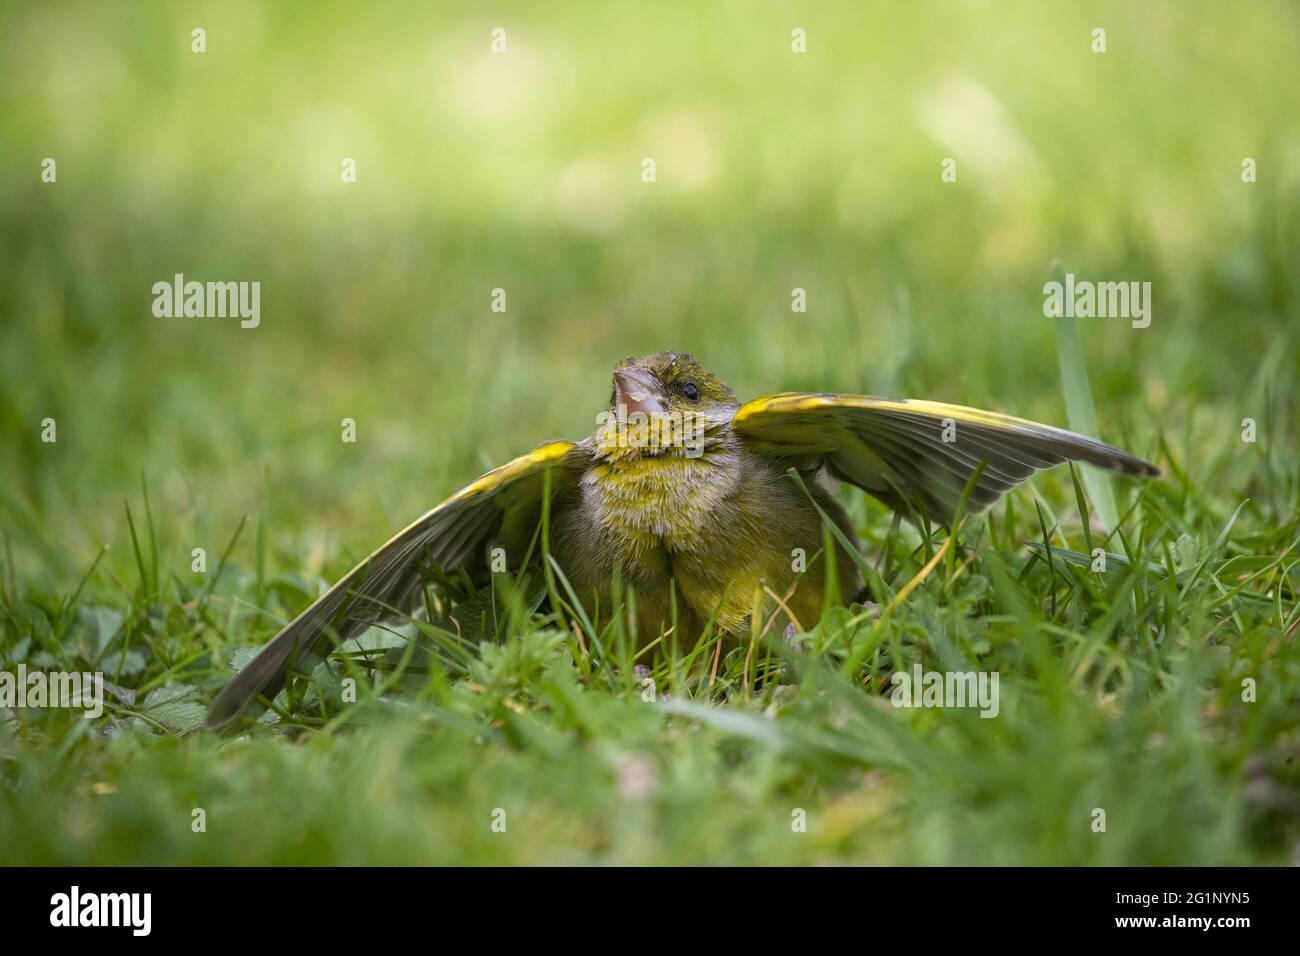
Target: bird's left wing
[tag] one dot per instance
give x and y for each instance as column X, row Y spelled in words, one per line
column 503, row 506
column 927, row 451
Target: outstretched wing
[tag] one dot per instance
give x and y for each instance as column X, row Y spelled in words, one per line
column 927, row 451
column 502, row 507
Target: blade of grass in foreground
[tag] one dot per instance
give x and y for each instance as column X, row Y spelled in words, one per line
column 1080, row 411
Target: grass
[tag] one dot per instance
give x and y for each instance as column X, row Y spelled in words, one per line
column 1121, row 689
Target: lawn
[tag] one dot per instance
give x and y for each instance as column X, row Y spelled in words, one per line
column 463, row 297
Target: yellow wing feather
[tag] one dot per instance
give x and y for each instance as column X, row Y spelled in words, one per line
column 454, row 534
column 924, row 451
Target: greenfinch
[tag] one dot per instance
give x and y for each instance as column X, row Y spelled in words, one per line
column 693, row 501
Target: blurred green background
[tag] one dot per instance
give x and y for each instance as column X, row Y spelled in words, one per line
column 522, row 170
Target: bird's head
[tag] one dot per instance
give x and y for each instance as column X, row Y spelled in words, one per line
column 664, row 404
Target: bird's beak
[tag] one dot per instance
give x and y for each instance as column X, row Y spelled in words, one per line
column 639, row 391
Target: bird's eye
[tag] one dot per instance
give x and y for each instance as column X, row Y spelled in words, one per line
column 691, row 391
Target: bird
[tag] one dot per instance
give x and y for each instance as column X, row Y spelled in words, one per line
column 694, row 501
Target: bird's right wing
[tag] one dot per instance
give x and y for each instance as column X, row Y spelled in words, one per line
column 924, row 451
column 503, row 506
